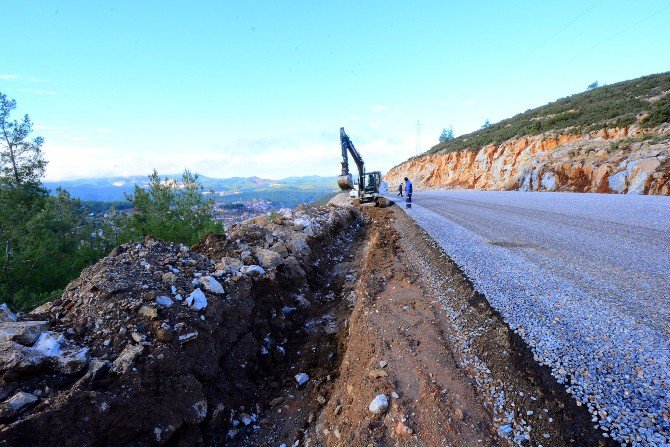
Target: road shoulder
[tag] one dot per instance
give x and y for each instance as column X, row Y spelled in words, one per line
column 462, row 377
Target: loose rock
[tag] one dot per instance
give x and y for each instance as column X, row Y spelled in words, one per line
column 211, row 284
column 24, row 332
column 16, row 403
column 197, row 300
column 376, row 373
column 126, row 359
column 269, row 259
column 164, row 301
column 301, row 378
column 17, row 359
column 149, row 312
column 253, row 270
column 281, row 249
column 6, row 314
column 379, row 404
column 402, row 430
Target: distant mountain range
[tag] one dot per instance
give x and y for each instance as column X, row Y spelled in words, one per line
column 290, row 191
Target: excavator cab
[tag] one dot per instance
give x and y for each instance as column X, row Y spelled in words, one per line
column 372, row 181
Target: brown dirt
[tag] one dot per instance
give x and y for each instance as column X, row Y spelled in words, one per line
column 392, row 322
column 390, row 313
column 400, row 319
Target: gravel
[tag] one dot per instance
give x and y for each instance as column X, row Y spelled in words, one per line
column 585, row 280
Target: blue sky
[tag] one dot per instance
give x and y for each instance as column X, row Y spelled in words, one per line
column 262, row 88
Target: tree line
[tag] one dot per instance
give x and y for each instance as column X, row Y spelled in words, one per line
column 46, row 239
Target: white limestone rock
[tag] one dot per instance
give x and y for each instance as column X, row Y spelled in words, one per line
column 268, row 258
column 301, row 379
column 164, row 301
column 197, row 300
column 211, row 284
column 126, row 359
column 16, row 404
column 379, row 404
column 24, row 332
column 6, row 314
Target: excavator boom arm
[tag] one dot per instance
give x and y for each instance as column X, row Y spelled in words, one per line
column 348, row 148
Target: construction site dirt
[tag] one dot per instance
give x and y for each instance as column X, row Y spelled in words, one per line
column 412, row 328
column 358, row 332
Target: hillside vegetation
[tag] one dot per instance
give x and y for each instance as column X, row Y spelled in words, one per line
column 616, row 105
column 47, row 239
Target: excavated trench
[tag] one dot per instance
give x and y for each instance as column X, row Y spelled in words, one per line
column 365, row 306
column 390, row 332
column 452, row 375
column 312, row 340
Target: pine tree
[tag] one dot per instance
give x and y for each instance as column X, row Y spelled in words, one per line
column 447, row 134
column 171, row 210
column 21, row 159
column 45, row 240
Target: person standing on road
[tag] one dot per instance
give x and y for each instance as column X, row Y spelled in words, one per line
column 400, row 190
column 408, row 190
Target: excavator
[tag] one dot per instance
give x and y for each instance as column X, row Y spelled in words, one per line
column 368, row 186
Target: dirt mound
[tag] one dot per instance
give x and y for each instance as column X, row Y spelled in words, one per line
column 341, row 199
column 159, row 343
column 325, row 327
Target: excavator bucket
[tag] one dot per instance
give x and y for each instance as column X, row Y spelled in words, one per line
column 345, row 182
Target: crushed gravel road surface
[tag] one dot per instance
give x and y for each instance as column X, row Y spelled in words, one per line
column 585, row 280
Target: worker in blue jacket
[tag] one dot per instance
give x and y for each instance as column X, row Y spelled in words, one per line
column 408, row 189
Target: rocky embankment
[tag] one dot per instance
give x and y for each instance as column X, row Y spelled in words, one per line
column 623, row 160
column 161, row 343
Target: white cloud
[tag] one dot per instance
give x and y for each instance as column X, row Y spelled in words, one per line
column 61, row 134
column 379, row 108
column 471, row 102
column 39, row 92
column 314, row 153
column 17, row 77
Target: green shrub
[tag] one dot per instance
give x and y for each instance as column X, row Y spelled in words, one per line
column 660, row 113
column 171, row 211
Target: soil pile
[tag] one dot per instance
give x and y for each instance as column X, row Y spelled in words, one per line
column 158, row 343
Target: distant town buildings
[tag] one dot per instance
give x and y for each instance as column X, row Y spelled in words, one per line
column 230, row 213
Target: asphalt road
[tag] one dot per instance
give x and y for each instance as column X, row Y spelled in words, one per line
column 584, row 278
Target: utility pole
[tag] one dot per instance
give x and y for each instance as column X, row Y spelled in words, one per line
column 418, row 137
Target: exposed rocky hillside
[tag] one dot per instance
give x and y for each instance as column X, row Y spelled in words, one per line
column 622, row 160
column 612, row 139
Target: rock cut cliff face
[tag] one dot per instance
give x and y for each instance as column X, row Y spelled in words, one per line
column 622, row 160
